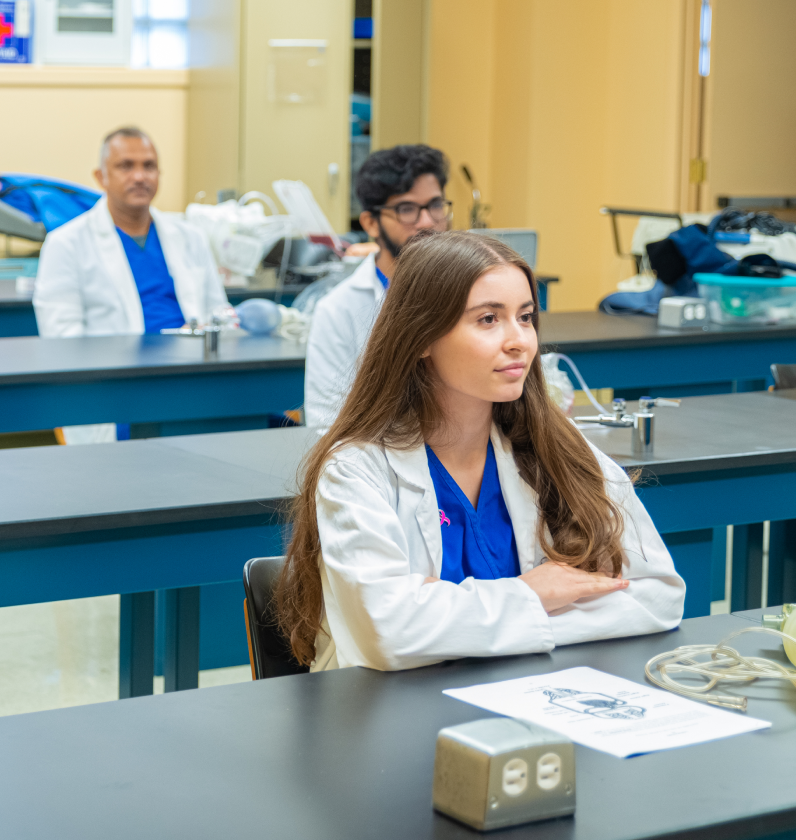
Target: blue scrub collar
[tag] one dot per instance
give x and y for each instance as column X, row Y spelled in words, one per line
column 383, row 278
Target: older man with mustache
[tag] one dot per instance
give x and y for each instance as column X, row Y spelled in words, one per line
column 123, row 267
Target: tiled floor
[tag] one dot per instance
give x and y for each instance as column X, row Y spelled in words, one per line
column 66, row 654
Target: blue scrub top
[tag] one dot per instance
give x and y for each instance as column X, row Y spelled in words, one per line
column 383, row 279
column 476, row 543
column 154, row 283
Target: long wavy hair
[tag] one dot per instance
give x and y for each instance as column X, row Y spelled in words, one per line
column 393, row 403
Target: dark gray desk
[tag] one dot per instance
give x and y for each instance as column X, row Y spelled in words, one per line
column 160, row 380
column 137, row 516
column 349, row 755
column 177, row 513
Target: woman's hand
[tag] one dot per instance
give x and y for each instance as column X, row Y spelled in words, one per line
column 558, row 585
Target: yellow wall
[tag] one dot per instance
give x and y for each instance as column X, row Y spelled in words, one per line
column 398, row 72
column 460, row 93
column 213, row 150
column 752, row 111
column 56, row 118
column 561, row 108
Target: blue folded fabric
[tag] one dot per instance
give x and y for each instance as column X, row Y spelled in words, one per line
column 46, row 200
column 635, row 303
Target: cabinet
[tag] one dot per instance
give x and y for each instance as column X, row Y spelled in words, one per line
column 269, row 98
column 85, row 32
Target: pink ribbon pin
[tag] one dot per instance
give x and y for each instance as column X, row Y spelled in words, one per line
column 443, row 520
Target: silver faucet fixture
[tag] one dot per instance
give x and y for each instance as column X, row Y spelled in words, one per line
column 642, row 422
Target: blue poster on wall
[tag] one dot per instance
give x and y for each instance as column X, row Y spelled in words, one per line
column 16, row 31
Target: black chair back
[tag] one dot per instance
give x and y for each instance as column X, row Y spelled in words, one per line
column 784, row 376
column 271, row 654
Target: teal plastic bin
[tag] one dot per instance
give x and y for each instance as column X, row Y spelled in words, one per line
column 749, row 300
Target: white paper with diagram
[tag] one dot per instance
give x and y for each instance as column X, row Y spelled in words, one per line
column 608, row 713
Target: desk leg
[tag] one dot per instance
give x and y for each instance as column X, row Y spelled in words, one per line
column 747, row 567
column 136, row 644
column 692, row 552
column 542, row 290
column 782, row 563
column 181, row 661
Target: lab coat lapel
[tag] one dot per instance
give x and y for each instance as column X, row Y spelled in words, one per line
column 365, row 277
column 411, row 466
column 186, row 286
column 111, row 257
column 520, row 500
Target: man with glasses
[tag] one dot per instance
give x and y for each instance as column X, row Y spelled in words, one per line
column 402, row 191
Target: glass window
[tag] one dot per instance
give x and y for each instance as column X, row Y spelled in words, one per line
column 160, row 34
column 85, row 16
column 704, row 38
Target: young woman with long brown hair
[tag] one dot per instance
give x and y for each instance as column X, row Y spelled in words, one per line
column 452, row 510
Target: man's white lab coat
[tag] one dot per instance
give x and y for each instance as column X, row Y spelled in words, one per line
column 380, row 538
column 339, row 332
column 85, row 285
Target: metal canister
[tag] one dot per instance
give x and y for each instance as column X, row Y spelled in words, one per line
column 643, row 428
column 211, row 338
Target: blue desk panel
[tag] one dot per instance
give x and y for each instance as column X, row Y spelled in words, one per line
column 17, row 321
column 163, row 399
column 158, row 379
column 688, row 370
column 687, row 511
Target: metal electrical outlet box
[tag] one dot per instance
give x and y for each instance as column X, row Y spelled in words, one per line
column 500, row 772
column 678, row 312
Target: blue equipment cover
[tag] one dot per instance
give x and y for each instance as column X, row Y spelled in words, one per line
column 46, row 200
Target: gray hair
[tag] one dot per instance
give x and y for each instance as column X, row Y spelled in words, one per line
column 125, row 131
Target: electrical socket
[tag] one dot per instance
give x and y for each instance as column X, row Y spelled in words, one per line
column 548, row 771
column 497, row 772
column 515, row 776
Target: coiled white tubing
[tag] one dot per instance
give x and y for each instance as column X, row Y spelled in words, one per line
column 717, row 663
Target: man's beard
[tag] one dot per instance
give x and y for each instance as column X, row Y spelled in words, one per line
column 388, row 243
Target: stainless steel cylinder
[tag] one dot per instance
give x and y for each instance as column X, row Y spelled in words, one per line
column 211, row 343
column 643, row 428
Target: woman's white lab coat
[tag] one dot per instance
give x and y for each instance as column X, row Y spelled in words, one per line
column 379, row 527
column 85, row 285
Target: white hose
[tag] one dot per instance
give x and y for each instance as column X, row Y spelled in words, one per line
column 581, row 382
column 723, row 663
column 259, row 196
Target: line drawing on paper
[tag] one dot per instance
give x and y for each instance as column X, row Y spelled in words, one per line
column 593, row 703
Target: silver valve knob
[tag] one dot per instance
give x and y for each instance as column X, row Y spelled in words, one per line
column 618, row 407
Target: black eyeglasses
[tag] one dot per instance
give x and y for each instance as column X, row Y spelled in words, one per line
column 407, row 212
